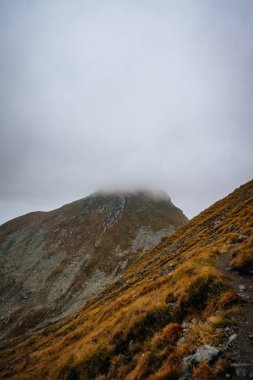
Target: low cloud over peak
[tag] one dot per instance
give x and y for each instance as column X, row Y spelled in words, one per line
column 152, row 193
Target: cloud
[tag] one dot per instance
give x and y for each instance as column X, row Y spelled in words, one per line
column 108, row 93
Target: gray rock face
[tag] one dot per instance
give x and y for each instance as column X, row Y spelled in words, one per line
column 52, row 263
column 232, row 338
column 205, row 353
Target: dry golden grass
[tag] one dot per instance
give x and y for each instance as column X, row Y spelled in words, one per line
column 205, row 372
column 131, row 331
column 243, row 260
column 171, row 371
column 228, row 299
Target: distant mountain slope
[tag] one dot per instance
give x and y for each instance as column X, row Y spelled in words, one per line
column 169, row 304
column 52, row 263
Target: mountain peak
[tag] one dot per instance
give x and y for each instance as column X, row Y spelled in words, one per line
column 168, row 308
column 54, row 262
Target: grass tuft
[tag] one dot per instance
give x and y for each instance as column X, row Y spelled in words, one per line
column 243, row 261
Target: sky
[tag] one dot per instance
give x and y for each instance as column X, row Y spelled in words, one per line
column 124, row 94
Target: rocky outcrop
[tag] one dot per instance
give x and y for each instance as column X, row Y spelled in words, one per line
column 205, row 353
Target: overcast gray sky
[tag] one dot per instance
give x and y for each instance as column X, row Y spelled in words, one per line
column 97, row 94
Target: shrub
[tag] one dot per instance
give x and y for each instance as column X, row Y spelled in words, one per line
column 201, row 288
column 227, row 300
column 141, row 367
column 218, row 321
column 169, row 373
column 168, row 335
column 203, row 372
column 243, row 260
column 69, row 373
column 172, row 332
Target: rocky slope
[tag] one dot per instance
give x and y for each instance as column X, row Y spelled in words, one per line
column 172, row 315
column 52, row 263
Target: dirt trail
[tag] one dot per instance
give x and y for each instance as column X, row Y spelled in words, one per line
column 242, row 345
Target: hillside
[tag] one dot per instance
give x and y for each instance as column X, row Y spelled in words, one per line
column 173, row 314
column 51, row 263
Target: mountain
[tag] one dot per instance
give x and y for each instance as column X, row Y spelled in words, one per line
column 51, row 263
column 177, row 312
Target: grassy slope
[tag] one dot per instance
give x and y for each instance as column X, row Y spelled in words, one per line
column 130, row 332
column 56, row 241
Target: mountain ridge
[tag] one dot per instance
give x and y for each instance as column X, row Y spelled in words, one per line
column 172, row 303
column 53, row 262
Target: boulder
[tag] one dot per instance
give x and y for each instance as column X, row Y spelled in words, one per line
column 205, row 353
column 232, row 338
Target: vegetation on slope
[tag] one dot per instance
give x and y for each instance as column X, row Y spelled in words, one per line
column 51, row 263
column 133, row 330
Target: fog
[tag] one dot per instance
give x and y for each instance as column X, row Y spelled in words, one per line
column 124, row 94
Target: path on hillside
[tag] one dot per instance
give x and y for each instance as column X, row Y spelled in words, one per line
column 242, row 346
